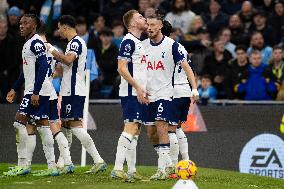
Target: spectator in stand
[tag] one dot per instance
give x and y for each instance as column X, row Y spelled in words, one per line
column 180, row 16
column 206, row 91
column 196, row 24
column 231, row 6
column 10, row 62
column 266, row 5
column 14, row 15
column 225, row 35
column 162, row 6
column 200, row 52
column 260, row 25
column 256, row 84
column 198, row 6
column 118, row 32
column 149, row 12
column 237, row 67
column 98, row 25
column 215, row 19
column 277, row 20
column 276, row 65
column 82, row 28
column 3, row 7
column 107, row 62
column 239, row 37
column 246, row 14
column 216, row 65
column 143, row 6
column 115, row 9
column 257, row 43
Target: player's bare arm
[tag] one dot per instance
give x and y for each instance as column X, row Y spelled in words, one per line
column 190, row 75
column 64, row 59
column 123, row 71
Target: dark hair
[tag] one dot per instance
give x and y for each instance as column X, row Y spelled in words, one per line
column 277, row 47
column 97, row 16
column 67, row 20
column 106, row 31
column 80, row 20
column 167, row 28
column 175, row 10
column 35, row 18
column 241, row 47
column 255, row 33
column 206, row 76
column 41, row 30
column 117, row 23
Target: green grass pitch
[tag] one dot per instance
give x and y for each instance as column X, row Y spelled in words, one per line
column 206, row 179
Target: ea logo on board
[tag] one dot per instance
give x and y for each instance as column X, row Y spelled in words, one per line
column 263, row 155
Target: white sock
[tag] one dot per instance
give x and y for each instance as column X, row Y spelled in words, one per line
column 21, row 142
column 88, row 143
column 174, row 150
column 183, row 144
column 63, row 148
column 31, row 144
column 123, row 145
column 164, row 157
column 47, row 143
column 131, row 155
column 68, row 134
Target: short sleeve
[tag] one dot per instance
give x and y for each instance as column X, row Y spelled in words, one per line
column 177, row 53
column 126, row 49
column 38, row 48
column 75, row 47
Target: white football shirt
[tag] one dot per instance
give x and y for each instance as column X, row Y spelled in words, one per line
column 131, row 50
column 162, row 58
column 74, row 75
column 33, row 53
column 181, row 84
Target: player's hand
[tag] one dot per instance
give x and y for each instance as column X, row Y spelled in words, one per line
column 49, row 47
column 11, row 95
column 35, row 100
column 142, row 96
column 195, row 96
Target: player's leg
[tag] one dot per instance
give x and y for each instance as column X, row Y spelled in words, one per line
column 182, row 139
column 131, row 113
column 31, row 142
column 68, row 134
column 58, row 135
column 175, row 115
column 40, row 114
column 73, row 107
column 47, row 140
column 174, row 150
column 183, row 143
column 19, row 124
column 162, row 117
column 132, row 173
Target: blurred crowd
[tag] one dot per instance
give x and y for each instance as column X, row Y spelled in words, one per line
column 236, row 46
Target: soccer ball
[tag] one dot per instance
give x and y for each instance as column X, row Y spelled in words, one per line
column 186, row 169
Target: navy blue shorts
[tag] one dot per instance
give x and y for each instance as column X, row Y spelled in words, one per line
column 35, row 112
column 53, row 110
column 72, row 107
column 131, row 109
column 180, row 109
column 157, row 111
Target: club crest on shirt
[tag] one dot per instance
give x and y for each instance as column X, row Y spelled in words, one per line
column 127, row 48
column 74, row 46
column 39, row 47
